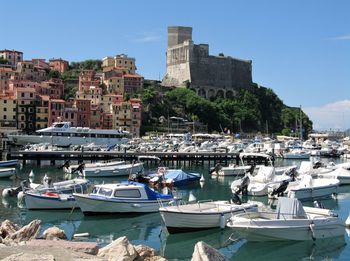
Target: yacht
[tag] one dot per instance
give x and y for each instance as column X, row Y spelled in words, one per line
column 63, row 134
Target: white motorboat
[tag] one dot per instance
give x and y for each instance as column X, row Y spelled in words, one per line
column 232, row 170
column 291, row 221
column 125, row 197
column 342, row 173
column 305, row 187
column 259, row 184
column 8, row 163
column 297, row 154
column 63, row 134
column 49, row 200
column 70, row 169
column 78, row 185
column 201, row 215
column 7, row 172
column 112, row 171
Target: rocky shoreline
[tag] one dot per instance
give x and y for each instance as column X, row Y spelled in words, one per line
column 26, row 243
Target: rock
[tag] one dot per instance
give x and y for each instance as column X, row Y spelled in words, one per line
column 155, row 258
column 29, row 257
column 204, row 252
column 145, row 251
column 7, row 228
column 26, row 233
column 54, row 233
column 119, row 250
column 90, row 248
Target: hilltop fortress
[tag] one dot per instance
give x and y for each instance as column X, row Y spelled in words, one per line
column 190, row 64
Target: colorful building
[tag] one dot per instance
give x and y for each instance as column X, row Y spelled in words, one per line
column 87, row 79
column 42, row 111
column 56, row 109
column 84, row 112
column 12, row 57
column 8, row 111
column 59, row 65
column 26, row 108
column 132, row 83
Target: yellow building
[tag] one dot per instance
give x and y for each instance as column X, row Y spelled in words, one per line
column 42, row 112
column 8, row 117
column 115, row 84
column 120, row 60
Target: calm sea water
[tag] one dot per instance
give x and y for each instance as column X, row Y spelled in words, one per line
column 146, row 229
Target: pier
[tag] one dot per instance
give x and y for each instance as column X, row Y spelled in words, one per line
column 197, row 157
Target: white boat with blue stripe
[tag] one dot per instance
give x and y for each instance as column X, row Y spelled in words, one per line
column 124, row 197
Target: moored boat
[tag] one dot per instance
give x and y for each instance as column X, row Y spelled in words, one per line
column 125, row 197
column 49, row 200
column 114, row 170
column 8, row 163
column 201, row 215
column 7, row 172
column 291, row 221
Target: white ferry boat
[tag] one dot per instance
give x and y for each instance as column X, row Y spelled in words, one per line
column 63, row 134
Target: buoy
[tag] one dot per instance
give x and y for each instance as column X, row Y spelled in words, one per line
column 192, row 198
column 347, row 221
column 81, row 235
column 222, row 221
column 202, row 179
column 7, row 192
column 20, row 196
column 31, row 174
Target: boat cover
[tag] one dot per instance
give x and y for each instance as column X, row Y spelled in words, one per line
column 179, row 175
column 289, row 208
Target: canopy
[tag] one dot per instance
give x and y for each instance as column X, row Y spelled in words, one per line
column 289, row 208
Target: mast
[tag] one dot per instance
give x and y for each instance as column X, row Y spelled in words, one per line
column 301, row 125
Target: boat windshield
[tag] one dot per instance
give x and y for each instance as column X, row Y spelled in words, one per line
column 105, row 192
column 127, row 193
column 58, row 125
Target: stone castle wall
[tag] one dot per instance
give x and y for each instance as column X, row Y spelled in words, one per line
column 209, row 75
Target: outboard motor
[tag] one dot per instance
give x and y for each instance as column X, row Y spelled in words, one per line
column 65, row 165
column 281, row 189
column 47, row 181
column 236, row 199
column 291, row 173
column 216, row 169
column 80, row 168
column 242, row 187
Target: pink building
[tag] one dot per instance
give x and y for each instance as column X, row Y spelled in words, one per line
column 40, row 64
column 87, row 79
column 136, row 110
column 84, row 112
column 70, row 114
column 56, row 109
column 107, row 120
column 54, row 88
column 132, row 83
column 59, row 65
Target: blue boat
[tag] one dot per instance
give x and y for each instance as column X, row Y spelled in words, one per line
column 174, row 177
column 8, row 163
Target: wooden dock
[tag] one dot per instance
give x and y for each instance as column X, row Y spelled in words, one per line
column 198, row 157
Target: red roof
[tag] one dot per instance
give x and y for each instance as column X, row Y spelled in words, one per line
column 57, row 100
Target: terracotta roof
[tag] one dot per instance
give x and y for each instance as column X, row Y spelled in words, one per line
column 44, row 97
column 133, row 75
column 57, row 100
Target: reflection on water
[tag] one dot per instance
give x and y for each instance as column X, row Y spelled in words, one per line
column 181, row 246
column 324, row 249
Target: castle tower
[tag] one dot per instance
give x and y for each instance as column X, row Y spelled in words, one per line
column 178, row 34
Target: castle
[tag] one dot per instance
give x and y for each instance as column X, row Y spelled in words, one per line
column 190, row 64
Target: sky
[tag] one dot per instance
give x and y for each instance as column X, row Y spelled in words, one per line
column 300, row 49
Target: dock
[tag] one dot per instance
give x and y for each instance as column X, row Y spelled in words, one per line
column 80, row 156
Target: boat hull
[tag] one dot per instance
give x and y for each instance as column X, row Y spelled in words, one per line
column 112, row 171
column 40, row 201
column 8, row 163
column 298, row 232
column 315, row 192
column 237, row 171
column 91, row 206
column 6, row 173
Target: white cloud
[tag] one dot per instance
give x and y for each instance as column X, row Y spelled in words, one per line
column 334, row 115
column 146, row 37
column 342, row 37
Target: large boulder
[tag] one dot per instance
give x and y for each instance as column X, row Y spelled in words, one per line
column 54, row 233
column 145, row 251
column 27, row 232
column 8, row 228
column 119, row 250
column 204, row 252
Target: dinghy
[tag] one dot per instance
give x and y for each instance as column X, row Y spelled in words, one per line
column 48, row 200
column 291, row 221
column 201, row 215
column 7, row 172
column 8, row 163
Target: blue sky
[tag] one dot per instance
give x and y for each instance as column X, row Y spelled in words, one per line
column 300, row 49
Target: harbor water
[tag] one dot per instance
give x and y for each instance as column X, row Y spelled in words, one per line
column 147, row 229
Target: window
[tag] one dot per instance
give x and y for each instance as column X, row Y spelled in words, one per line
column 5, row 117
column 127, row 193
column 5, row 101
column 22, row 94
column 5, row 109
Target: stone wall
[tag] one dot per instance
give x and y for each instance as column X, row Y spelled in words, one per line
column 209, row 75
